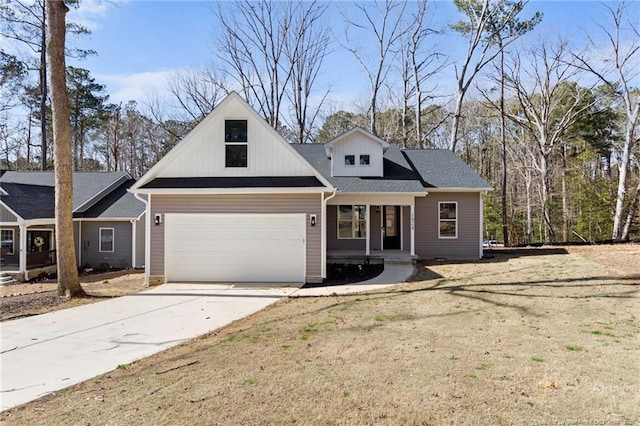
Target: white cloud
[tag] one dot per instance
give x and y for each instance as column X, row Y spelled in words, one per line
column 136, row 86
column 91, row 13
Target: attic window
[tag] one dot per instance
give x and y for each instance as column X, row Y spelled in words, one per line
column 235, row 138
column 365, row 160
column 349, row 160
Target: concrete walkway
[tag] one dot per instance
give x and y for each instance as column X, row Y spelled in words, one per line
column 48, row 352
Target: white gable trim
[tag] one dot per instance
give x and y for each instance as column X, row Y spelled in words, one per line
column 193, row 134
column 329, row 145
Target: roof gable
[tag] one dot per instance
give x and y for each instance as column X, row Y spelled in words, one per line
column 201, row 153
column 349, row 134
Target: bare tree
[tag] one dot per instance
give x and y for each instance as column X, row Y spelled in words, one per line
column 383, row 21
column 252, row 43
column 549, row 103
column 68, row 282
column 306, row 49
column 196, row 92
column 618, row 71
column 487, row 35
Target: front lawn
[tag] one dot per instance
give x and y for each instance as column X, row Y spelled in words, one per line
column 549, row 337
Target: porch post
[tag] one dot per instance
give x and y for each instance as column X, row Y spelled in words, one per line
column 23, row 249
column 413, row 227
column 368, row 239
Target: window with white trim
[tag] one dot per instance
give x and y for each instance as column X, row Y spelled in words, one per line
column 235, row 138
column 349, row 160
column 448, row 219
column 6, row 236
column 352, row 222
column 106, row 239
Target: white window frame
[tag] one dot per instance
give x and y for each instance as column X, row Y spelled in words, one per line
column 440, row 220
column 360, row 158
column 13, row 241
column 113, row 240
column 236, row 143
column 345, row 160
column 354, row 222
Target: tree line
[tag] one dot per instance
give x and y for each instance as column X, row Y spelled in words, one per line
column 551, row 123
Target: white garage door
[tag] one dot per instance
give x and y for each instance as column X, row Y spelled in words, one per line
column 235, row 247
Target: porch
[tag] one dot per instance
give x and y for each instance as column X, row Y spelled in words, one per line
column 27, row 250
column 375, row 256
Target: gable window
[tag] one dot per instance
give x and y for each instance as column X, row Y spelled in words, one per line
column 6, row 236
column 349, row 160
column 365, row 160
column 106, row 240
column 448, row 218
column 235, row 138
column 352, row 222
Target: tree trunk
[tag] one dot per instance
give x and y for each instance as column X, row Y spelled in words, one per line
column 68, row 282
column 43, row 92
column 503, row 140
column 632, row 211
column 565, row 197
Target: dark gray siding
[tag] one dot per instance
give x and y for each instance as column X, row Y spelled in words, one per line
column 267, row 203
column 335, row 243
column 91, row 254
column 466, row 245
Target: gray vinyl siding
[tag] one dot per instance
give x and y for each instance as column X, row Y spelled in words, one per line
column 6, row 215
column 467, row 243
column 122, row 235
column 258, row 203
column 335, row 243
column 406, row 228
column 141, row 227
column 376, row 228
column 14, row 258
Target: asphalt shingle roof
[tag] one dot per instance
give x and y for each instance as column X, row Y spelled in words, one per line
column 398, row 174
column 442, row 168
column 31, row 194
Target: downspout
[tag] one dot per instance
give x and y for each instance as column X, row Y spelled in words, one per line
column 147, row 236
column 79, row 242
column 323, row 237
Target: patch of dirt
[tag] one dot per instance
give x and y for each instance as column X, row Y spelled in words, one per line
column 520, row 338
column 26, row 299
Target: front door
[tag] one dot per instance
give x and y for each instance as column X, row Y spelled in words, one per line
column 38, row 241
column 391, row 227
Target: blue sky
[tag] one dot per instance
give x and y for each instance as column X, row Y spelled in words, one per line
column 140, row 43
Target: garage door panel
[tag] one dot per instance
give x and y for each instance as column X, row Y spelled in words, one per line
column 222, row 247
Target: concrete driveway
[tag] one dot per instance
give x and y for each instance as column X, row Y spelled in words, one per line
column 48, row 352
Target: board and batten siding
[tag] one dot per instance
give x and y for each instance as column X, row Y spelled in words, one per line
column 466, row 245
column 202, row 151
column 6, row 215
column 122, row 234
column 357, row 144
column 258, row 203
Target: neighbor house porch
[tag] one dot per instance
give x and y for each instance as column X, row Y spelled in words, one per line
column 27, row 250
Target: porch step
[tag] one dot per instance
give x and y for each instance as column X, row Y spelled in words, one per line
column 400, row 261
column 6, row 279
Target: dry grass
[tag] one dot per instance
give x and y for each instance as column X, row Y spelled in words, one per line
column 20, row 300
column 518, row 339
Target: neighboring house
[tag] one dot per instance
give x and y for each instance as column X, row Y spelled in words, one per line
column 108, row 222
column 233, row 201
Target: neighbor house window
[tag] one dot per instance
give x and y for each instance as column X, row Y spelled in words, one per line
column 352, row 222
column 235, row 138
column 364, row 160
column 6, row 236
column 448, row 218
column 349, row 160
column 106, row 239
